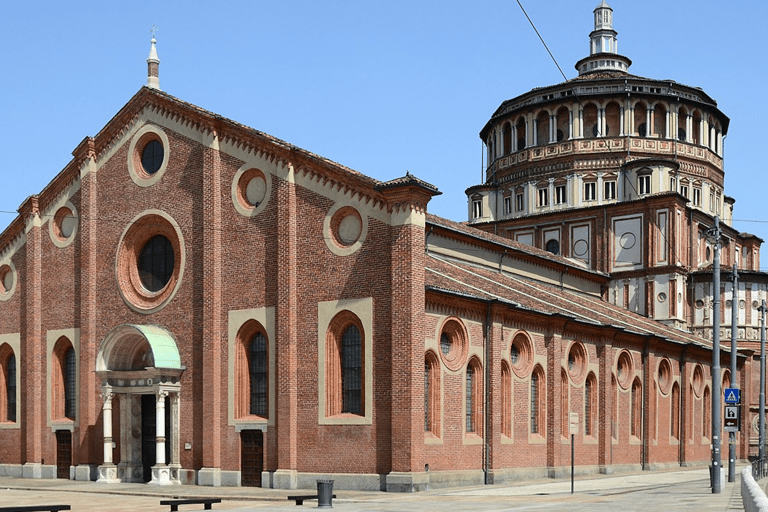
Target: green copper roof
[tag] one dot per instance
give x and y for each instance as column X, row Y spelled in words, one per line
column 164, row 349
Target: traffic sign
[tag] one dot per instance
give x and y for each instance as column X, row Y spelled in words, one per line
column 732, row 396
column 732, row 415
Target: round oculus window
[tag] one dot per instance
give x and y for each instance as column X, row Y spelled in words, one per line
column 625, row 369
column 64, row 224
column 521, row 355
column 152, row 156
column 250, row 189
column 346, row 226
column 453, row 344
column 150, row 262
column 665, row 376
column 577, row 362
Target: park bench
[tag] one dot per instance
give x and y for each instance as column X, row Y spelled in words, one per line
column 36, row 508
column 174, row 503
column 300, row 499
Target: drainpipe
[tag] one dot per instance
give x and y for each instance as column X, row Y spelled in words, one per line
column 487, row 394
column 680, row 412
column 643, row 412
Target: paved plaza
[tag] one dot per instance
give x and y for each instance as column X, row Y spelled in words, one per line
column 686, row 489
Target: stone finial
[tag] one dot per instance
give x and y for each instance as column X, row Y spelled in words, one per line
column 153, row 64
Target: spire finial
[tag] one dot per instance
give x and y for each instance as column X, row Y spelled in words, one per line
column 153, row 63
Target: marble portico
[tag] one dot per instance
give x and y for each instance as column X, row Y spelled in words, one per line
column 133, row 361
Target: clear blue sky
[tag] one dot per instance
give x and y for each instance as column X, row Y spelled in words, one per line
column 383, row 87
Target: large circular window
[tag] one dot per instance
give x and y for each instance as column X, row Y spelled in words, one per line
column 665, row 376
column 345, row 229
column 150, row 261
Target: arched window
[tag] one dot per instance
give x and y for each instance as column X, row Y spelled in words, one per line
column 675, row 412
column 507, row 134
column 538, row 401
column 636, row 408
column 706, row 419
column 506, row 400
column 7, row 384
column 521, row 134
column 473, row 392
column 252, row 371
column 431, row 394
column 63, row 380
column 590, row 405
column 566, row 409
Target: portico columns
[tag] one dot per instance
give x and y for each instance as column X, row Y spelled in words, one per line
column 160, row 471
column 107, row 471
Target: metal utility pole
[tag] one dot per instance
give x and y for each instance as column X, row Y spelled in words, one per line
column 761, row 428
column 714, row 236
column 734, row 381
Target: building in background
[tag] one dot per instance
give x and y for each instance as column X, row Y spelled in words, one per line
column 192, row 301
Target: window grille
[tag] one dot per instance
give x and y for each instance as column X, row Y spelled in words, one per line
column 11, row 388
column 156, row 263
column 427, row 411
column 588, row 407
column 535, row 403
column 351, row 371
column 445, row 344
column 257, row 366
column 470, row 404
column 70, row 389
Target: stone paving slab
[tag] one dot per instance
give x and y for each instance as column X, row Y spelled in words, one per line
column 685, row 489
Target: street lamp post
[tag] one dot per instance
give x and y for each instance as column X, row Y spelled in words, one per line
column 734, row 381
column 761, row 414
column 714, row 236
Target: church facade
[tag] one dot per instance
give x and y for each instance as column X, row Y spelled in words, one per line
column 192, row 301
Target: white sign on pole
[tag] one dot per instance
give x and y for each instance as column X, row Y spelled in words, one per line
column 573, row 423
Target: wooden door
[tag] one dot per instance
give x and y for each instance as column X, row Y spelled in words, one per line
column 63, row 453
column 251, row 457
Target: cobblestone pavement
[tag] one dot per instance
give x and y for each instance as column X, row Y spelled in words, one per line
column 686, row 489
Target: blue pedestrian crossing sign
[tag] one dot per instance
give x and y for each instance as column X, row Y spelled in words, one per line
column 732, row 396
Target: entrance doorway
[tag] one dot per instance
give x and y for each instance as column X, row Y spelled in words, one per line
column 149, row 433
column 63, row 453
column 251, row 457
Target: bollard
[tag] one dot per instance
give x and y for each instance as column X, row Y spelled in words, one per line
column 325, row 494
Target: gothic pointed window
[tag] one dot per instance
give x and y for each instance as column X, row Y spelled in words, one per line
column 257, row 368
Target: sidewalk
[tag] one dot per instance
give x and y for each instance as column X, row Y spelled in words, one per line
column 684, row 489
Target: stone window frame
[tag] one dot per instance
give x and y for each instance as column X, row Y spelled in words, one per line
column 591, row 406
column 58, row 341
column 239, row 189
column 331, row 223
column 10, row 344
column 7, row 268
column 55, row 225
column 333, row 318
column 241, row 323
column 140, row 139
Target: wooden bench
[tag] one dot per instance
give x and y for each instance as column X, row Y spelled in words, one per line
column 36, row 508
column 174, row 503
column 300, row 499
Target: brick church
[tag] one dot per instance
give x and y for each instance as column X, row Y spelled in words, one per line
column 192, row 301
